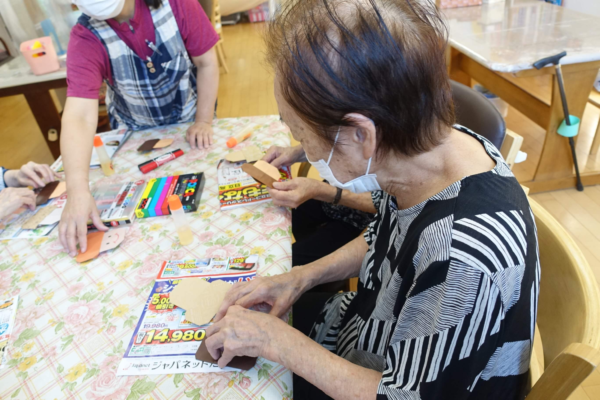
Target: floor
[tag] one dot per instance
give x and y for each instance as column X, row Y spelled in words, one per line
column 247, row 90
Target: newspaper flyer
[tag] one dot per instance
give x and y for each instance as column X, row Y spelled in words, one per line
column 10, row 227
column 8, row 311
column 113, row 141
column 164, row 342
column 237, row 188
column 208, row 266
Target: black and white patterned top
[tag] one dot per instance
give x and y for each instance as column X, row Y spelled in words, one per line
column 358, row 219
column 447, row 294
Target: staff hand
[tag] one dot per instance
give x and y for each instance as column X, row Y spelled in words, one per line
column 284, row 156
column 200, row 135
column 244, row 333
column 80, row 208
column 279, row 291
column 11, row 199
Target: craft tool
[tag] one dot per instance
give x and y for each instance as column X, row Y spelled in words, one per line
column 183, row 228
column 170, row 191
column 159, row 190
column 105, row 162
column 240, row 137
column 160, row 160
column 163, row 196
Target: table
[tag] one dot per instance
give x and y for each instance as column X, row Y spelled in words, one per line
column 74, row 320
column 16, row 78
column 496, row 44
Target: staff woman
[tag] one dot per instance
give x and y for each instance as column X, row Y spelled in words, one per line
column 448, row 270
column 158, row 61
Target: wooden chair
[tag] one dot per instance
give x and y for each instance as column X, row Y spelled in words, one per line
column 568, row 314
column 594, row 99
column 213, row 11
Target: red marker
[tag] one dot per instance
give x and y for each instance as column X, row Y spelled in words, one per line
column 160, row 160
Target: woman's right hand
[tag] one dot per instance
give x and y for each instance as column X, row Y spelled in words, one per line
column 80, row 208
column 279, row 291
column 284, row 156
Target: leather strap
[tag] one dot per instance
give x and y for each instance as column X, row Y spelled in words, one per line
column 338, row 197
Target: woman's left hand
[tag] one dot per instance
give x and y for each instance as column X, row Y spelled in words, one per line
column 244, row 332
column 31, row 174
column 200, row 135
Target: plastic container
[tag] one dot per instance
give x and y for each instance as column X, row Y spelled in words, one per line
column 40, row 55
column 183, row 228
column 259, row 13
column 103, row 157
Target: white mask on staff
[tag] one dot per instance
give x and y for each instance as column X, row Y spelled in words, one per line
column 100, row 9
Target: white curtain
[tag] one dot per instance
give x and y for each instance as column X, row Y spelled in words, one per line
column 23, row 19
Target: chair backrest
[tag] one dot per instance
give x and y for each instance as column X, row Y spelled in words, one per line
column 212, row 8
column 569, row 299
column 207, row 6
column 477, row 113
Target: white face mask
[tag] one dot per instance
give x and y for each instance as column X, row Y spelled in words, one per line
column 100, row 9
column 366, row 183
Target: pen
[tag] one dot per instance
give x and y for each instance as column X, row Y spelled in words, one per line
column 160, row 160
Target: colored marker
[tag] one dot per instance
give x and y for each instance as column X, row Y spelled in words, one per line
column 160, row 160
column 163, row 195
column 157, row 195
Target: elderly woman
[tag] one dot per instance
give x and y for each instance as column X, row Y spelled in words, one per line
column 448, row 270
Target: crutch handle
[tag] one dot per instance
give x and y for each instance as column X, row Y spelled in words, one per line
column 554, row 60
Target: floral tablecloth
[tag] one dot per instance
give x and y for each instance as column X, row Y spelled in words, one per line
column 74, row 320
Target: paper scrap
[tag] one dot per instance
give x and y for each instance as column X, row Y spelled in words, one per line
column 235, row 156
column 60, row 189
column 8, row 311
column 200, row 299
column 249, row 154
column 99, row 242
column 268, row 169
column 252, row 153
column 38, row 217
column 244, row 363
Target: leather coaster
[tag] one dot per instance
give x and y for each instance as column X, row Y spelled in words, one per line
column 162, row 143
column 44, row 194
column 244, row 363
column 148, row 145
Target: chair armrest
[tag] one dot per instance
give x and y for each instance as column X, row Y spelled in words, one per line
column 303, row 169
column 565, row 373
column 511, row 146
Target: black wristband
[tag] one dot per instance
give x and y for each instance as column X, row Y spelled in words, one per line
column 338, row 197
